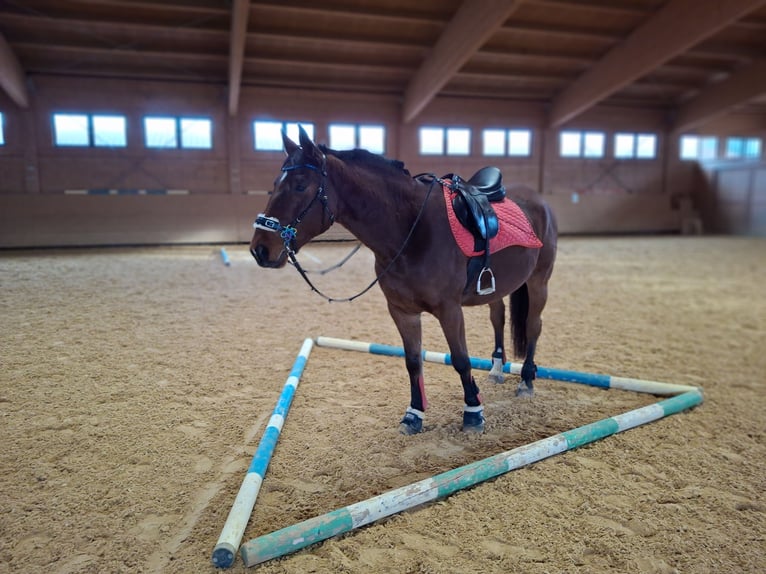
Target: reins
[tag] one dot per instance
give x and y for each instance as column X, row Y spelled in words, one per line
column 336, row 265
column 287, row 233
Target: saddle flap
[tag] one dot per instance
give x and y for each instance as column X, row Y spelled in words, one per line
column 472, row 206
column 476, row 215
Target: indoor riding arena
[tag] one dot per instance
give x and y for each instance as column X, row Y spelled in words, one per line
column 170, row 403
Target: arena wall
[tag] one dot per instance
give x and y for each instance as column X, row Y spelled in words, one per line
column 148, row 196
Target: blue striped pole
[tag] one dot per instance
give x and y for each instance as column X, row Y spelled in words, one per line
column 603, row 381
column 225, row 257
column 298, row 536
column 234, row 528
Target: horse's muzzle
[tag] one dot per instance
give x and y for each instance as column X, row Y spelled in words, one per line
column 261, row 255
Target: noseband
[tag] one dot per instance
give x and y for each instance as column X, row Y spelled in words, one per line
column 288, row 232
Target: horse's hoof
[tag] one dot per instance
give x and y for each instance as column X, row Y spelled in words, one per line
column 497, row 379
column 524, row 391
column 473, row 422
column 410, row 424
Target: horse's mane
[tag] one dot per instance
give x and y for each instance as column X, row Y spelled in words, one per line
column 362, row 156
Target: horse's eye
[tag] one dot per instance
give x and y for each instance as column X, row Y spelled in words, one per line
column 300, row 187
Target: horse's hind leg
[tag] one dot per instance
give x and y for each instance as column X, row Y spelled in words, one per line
column 497, row 318
column 537, row 293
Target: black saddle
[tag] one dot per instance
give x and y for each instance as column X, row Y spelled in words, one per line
column 472, row 201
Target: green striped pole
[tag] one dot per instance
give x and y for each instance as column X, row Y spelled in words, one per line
column 303, row 534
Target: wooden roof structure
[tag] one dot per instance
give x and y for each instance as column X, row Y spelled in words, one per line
column 695, row 59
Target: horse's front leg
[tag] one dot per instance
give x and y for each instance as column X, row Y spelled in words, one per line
column 497, row 318
column 453, row 325
column 410, row 329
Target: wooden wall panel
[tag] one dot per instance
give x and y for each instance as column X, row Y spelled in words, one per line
column 227, row 185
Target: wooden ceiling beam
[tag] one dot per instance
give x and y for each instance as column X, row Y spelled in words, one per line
column 747, row 83
column 677, row 26
column 239, row 16
column 12, row 77
column 471, row 26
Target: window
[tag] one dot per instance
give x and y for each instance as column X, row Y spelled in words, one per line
column 432, row 141
column 2, row 128
column 350, row 136
column 196, row 133
column 70, row 130
column 499, row 142
column 581, row 144
column 458, row 141
column 109, row 131
column 493, row 142
column 160, row 132
column 743, row 148
column 372, row 138
column 638, row 146
column 88, row 130
column 519, row 142
column 267, row 134
column 698, row 147
column 170, row 132
column 436, row 140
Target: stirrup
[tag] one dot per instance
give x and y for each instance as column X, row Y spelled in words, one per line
column 486, row 290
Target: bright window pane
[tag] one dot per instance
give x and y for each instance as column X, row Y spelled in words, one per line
column 735, row 147
column 431, row 141
column 708, row 148
column 689, row 147
column 342, row 136
column 109, row 131
column 623, row 145
column 593, row 144
column 458, row 141
column 569, row 144
column 646, row 146
column 493, row 142
column 293, row 131
column 160, row 132
column 519, row 142
column 2, row 129
column 753, row 148
column 268, row 135
column 70, row 130
column 372, row 138
column 196, row 133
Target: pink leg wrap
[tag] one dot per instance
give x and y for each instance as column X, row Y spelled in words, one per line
column 422, row 384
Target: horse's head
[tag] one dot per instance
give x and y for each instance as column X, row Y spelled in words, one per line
column 297, row 210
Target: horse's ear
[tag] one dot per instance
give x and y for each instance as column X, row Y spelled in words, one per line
column 290, row 145
column 310, row 149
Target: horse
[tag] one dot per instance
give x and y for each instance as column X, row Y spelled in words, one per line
column 418, row 264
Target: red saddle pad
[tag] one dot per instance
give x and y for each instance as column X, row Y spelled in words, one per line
column 513, row 227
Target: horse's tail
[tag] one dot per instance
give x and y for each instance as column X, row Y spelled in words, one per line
column 519, row 312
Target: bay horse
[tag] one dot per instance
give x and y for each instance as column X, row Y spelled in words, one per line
column 418, row 264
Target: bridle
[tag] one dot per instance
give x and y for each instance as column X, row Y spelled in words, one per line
column 288, row 232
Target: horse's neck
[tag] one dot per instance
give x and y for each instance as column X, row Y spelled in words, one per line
column 376, row 210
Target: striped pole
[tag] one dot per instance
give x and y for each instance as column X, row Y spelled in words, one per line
column 603, row 381
column 298, row 536
column 225, row 257
column 234, row 528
